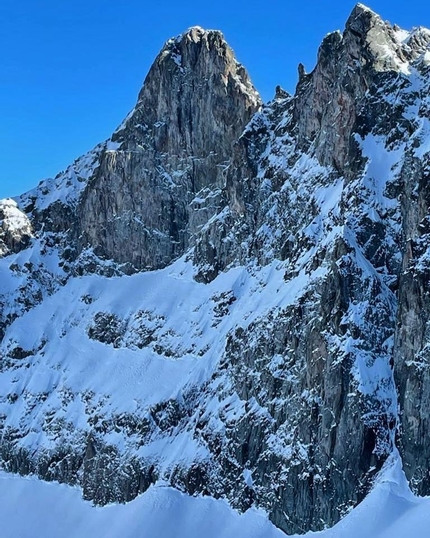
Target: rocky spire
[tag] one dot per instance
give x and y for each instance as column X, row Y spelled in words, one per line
column 384, row 47
column 329, row 98
column 194, row 104
column 196, row 94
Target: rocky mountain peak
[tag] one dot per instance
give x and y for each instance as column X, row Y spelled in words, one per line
column 158, row 179
column 385, row 47
column 361, row 17
column 329, row 98
column 369, row 40
column 174, row 147
column 175, row 92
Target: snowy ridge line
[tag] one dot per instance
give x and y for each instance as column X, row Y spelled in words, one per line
column 31, row 507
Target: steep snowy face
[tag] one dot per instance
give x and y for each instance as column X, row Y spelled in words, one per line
column 259, row 366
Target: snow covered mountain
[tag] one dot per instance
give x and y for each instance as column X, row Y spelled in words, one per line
column 230, row 297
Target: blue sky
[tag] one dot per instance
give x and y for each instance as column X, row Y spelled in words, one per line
column 71, row 70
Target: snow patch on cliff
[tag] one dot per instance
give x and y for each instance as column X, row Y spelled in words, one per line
column 66, row 187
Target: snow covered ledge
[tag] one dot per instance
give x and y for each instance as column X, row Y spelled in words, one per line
column 15, row 228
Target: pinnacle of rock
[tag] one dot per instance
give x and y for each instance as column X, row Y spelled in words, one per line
column 200, row 54
column 360, row 9
column 195, row 102
column 361, row 20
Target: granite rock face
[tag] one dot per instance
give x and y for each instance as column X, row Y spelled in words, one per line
column 329, row 100
column 411, row 357
column 284, row 357
column 146, row 192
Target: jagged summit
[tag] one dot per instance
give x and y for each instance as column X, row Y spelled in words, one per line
column 388, row 46
column 201, row 53
column 360, row 9
column 194, row 34
column 174, row 146
column 361, row 20
column 346, row 68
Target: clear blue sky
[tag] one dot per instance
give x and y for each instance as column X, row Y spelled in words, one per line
column 71, row 70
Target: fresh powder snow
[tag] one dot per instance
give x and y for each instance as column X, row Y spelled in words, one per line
column 30, row 508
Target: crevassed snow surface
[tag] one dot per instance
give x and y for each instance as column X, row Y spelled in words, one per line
column 30, row 508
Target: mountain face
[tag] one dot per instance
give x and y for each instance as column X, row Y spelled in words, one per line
column 229, row 296
column 140, row 198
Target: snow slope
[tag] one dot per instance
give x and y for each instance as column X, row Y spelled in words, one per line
column 30, row 508
column 186, row 323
